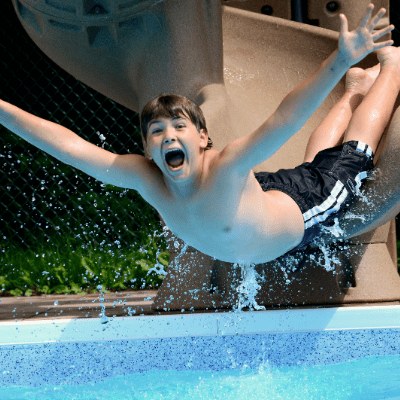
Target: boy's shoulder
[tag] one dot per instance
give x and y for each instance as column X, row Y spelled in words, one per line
column 213, row 160
column 225, row 160
column 220, row 167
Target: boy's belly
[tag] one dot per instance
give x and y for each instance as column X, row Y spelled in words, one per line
column 261, row 231
column 245, row 250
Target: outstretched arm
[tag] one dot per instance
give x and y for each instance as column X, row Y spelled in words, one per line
column 300, row 104
column 127, row 171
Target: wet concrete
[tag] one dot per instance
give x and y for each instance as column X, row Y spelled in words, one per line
column 119, row 304
column 76, row 306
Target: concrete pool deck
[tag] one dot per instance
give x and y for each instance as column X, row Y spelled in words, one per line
column 76, row 306
column 118, row 304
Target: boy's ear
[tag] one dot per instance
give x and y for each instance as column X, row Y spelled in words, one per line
column 203, row 138
column 146, row 151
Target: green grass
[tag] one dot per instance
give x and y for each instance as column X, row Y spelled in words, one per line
column 72, row 267
column 69, row 266
column 65, row 232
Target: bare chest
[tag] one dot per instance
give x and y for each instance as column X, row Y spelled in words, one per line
column 221, row 223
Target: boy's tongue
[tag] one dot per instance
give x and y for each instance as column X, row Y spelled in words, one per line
column 175, row 158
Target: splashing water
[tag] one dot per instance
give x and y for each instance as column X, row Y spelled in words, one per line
column 103, row 318
column 102, row 138
column 248, row 289
column 350, row 215
column 368, row 202
column 361, row 192
column 334, row 230
column 329, row 259
column 158, row 268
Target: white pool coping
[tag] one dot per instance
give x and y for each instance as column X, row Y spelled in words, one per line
column 229, row 323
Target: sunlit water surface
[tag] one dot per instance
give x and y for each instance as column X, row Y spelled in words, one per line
column 367, row 378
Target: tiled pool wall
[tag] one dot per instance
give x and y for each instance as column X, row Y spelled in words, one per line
column 83, row 351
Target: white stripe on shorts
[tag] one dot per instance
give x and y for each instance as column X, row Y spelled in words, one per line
column 332, row 204
column 364, row 148
column 336, row 198
column 359, row 178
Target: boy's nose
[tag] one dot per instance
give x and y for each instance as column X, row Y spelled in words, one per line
column 169, row 140
column 169, row 137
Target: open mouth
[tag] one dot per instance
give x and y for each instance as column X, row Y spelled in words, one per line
column 174, row 158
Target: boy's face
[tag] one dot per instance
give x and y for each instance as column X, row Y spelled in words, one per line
column 175, row 146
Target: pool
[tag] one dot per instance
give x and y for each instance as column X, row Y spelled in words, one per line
column 303, row 353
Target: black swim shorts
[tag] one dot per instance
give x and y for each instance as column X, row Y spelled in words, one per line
column 324, row 188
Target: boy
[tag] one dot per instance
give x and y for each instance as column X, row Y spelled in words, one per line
column 212, row 199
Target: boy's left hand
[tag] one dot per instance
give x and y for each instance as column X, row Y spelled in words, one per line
column 357, row 44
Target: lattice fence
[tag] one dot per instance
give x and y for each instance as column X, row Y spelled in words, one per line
column 41, row 198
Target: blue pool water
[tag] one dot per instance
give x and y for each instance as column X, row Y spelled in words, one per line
column 370, row 378
column 332, row 353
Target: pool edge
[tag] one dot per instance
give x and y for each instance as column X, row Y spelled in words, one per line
column 201, row 324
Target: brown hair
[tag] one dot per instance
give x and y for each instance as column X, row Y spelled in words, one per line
column 172, row 106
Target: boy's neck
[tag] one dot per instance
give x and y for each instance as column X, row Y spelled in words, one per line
column 183, row 189
column 188, row 187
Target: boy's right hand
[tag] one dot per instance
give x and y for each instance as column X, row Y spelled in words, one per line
column 357, row 44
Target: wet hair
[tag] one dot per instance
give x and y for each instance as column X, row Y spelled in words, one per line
column 171, row 106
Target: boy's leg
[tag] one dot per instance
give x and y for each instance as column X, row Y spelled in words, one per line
column 330, row 131
column 373, row 114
